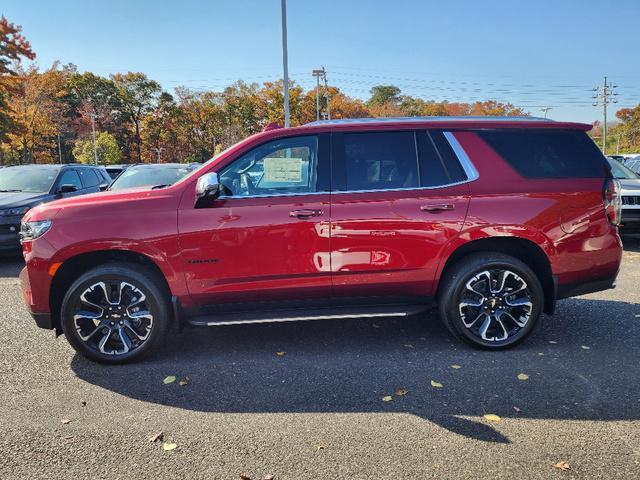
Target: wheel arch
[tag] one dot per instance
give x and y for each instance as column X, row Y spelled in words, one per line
column 69, row 269
column 521, row 248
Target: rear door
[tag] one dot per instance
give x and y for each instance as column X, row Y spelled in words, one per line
column 398, row 197
column 91, row 179
column 266, row 238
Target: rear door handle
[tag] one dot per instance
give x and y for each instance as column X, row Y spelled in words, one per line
column 305, row 213
column 437, row 207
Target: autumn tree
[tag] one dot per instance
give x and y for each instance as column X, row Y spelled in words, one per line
column 384, row 94
column 107, row 150
column 13, row 47
column 138, row 95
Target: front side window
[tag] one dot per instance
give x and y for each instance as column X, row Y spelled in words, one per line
column 282, row 167
column 70, row 177
column 89, row 178
column 381, row 160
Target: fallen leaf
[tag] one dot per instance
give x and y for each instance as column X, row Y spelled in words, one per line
column 65, row 421
column 553, row 342
column 408, row 345
column 169, row 379
column 69, row 437
column 184, row 381
column 523, row 376
column 156, row 436
column 83, row 403
column 435, row 384
column 320, row 446
column 388, row 398
column 281, row 354
column 584, row 347
column 401, row 392
column 244, row 476
column 564, row 466
column 167, row 446
column 456, row 367
column 268, row 477
column 517, row 409
column 492, row 417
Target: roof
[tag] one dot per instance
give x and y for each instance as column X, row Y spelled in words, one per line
column 452, row 122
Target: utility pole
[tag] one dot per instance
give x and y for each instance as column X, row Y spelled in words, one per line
column 545, row 110
column 158, row 150
column 285, row 62
column 603, row 96
column 326, row 93
column 59, row 149
column 321, row 73
column 93, row 130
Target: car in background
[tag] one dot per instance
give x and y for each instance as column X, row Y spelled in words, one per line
column 630, row 183
column 154, row 175
column 633, row 163
column 115, row 170
column 25, row 186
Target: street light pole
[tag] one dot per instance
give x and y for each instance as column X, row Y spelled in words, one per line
column 285, row 62
column 93, row 130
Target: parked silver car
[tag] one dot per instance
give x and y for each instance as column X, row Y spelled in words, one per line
column 630, row 181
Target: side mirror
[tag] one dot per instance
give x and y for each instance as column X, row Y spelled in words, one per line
column 207, row 188
column 103, row 186
column 67, row 188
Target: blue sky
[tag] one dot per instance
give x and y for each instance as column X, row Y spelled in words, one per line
column 532, row 53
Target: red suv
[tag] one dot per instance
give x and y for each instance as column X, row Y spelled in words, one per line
column 493, row 219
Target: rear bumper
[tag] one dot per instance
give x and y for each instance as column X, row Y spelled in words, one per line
column 575, row 289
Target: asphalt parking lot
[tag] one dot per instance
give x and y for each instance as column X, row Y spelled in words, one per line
column 316, row 410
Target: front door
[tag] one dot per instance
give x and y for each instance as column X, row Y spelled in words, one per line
column 266, row 238
column 399, row 197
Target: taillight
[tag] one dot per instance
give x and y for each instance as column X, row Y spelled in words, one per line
column 612, row 201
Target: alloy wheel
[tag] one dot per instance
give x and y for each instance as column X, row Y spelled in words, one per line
column 495, row 305
column 113, row 317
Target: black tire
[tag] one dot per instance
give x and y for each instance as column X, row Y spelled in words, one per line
column 113, row 275
column 457, row 301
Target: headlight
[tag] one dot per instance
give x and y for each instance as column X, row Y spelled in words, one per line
column 33, row 230
column 14, row 212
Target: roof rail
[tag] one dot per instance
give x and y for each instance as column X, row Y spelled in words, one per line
column 487, row 118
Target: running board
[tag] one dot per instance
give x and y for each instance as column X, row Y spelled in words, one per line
column 299, row 315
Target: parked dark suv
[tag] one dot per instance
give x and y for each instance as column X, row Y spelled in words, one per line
column 492, row 219
column 25, row 186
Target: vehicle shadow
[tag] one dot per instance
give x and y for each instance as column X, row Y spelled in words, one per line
column 10, row 265
column 581, row 364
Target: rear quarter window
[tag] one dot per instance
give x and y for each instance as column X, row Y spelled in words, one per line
column 548, row 153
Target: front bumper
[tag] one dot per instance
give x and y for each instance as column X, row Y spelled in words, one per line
column 630, row 222
column 10, row 234
column 42, row 319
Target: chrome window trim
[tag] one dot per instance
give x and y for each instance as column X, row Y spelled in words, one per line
column 468, row 167
column 463, row 158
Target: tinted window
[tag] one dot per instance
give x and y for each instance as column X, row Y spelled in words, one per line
column 548, row 154
column 438, row 163
column 155, row 175
column 27, row 179
column 89, row 177
column 70, row 177
column 284, row 166
column 380, row 160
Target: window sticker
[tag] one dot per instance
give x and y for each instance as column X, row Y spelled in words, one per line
column 283, row 170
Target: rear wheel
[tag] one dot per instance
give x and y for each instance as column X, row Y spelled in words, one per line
column 115, row 313
column 491, row 300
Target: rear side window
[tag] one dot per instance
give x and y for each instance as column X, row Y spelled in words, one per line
column 70, row 177
column 548, row 153
column 439, row 165
column 381, row 160
column 89, row 178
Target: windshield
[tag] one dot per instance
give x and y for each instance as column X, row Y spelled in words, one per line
column 148, row 176
column 27, row 179
column 621, row 172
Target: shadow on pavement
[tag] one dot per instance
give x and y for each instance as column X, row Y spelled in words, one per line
column 10, row 265
column 581, row 363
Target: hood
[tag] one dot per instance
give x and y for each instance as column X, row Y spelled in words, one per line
column 22, row 199
column 630, row 185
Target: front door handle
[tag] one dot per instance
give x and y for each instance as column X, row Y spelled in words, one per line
column 437, row 207
column 305, row 213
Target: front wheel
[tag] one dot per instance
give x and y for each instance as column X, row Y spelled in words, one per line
column 115, row 313
column 491, row 300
